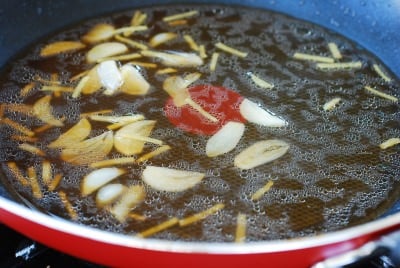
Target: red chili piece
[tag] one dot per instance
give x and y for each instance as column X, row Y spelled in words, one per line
column 220, row 102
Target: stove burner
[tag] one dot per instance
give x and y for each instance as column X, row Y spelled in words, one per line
column 18, row 251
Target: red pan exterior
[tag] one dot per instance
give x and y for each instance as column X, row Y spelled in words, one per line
column 121, row 251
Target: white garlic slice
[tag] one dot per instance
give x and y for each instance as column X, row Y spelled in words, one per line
column 257, row 115
column 175, row 59
column 109, row 193
column 260, row 153
column 170, row 180
column 105, row 50
column 132, row 197
column 130, row 139
column 134, row 82
column 99, row 177
column 75, row 134
column 110, row 76
column 225, row 139
column 43, row 110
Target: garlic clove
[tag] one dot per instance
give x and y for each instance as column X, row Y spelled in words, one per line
column 98, row 33
column 134, row 82
column 257, row 115
column 109, row 193
column 110, row 76
column 43, row 110
column 175, row 59
column 90, row 150
column 132, row 197
column 225, row 140
column 260, row 153
column 99, row 177
column 126, row 138
column 60, row 47
column 75, row 134
column 104, row 50
column 170, row 180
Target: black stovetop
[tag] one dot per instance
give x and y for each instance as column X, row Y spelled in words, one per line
column 18, row 251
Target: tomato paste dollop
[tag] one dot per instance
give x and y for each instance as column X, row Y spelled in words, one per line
column 218, row 101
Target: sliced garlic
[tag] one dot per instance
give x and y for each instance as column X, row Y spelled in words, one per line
column 260, row 153
column 116, row 119
column 202, row 52
column 181, row 15
column 260, row 192
column 154, row 153
column 241, row 226
column 132, row 197
column 75, row 134
column 310, row 57
column 126, row 138
column 92, row 84
column 130, row 42
column 110, row 76
column 104, row 50
column 113, row 162
column 89, row 151
column 109, row 193
column 17, row 108
column 176, row 87
column 78, row 89
column 331, row 104
column 46, row 172
column 178, row 22
column 138, row 18
column 214, row 60
column 170, row 180
column 19, row 176
column 260, row 82
column 225, row 140
column 123, row 57
column 231, row 50
column 68, row 206
column 381, row 94
column 379, row 71
column 134, row 82
column 161, row 38
column 389, row 143
column 55, row 181
column 201, row 215
column 31, row 149
column 43, row 110
column 190, row 41
column 339, row 65
column 333, row 48
column 159, row 227
column 17, row 126
column 175, row 59
column 129, row 30
column 257, row 115
column 167, row 70
column 99, row 177
column 100, row 32
column 60, row 47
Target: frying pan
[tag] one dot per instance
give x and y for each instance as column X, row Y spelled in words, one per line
column 372, row 24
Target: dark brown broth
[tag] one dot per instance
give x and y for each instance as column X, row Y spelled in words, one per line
column 333, row 176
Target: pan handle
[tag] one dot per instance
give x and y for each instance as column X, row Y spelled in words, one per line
column 383, row 252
